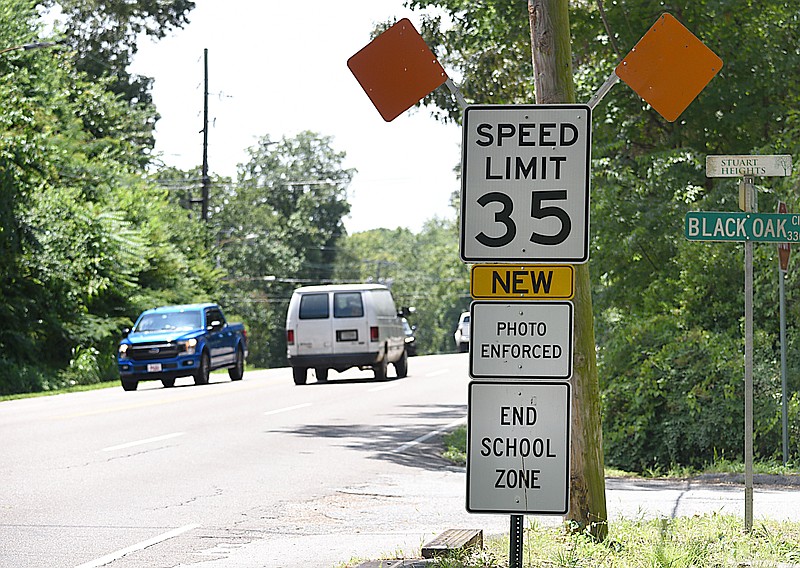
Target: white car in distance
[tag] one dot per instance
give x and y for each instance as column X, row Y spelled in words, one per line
column 462, row 333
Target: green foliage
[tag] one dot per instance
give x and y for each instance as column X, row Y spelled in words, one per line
column 279, row 227
column 423, row 270
column 705, row 541
column 668, row 312
column 455, row 446
column 85, row 240
column 102, row 35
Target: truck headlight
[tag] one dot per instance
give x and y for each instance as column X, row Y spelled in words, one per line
column 123, row 350
column 189, row 346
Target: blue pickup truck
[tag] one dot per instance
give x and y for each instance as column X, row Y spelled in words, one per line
column 180, row 341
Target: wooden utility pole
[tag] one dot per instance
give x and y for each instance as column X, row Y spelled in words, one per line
column 552, row 65
column 206, row 182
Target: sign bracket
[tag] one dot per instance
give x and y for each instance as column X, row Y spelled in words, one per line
column 612, row 80
column 456, row 91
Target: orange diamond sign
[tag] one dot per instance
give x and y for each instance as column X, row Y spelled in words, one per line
column 669, row 67
column 397, row 69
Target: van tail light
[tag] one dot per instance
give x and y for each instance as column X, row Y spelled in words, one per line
column 373, row 333
column 290, row 336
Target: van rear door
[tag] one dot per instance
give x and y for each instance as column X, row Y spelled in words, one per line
column 350, row 323
column 313, row 333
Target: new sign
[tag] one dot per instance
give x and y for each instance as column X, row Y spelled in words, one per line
column 521, row 339
column 522, row 282
column 735, row 226
column 518, row 448
column 525, row 183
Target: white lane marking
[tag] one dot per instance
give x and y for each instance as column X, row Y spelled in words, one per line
column 429, row 435
column 139, row 546
column 437, row 373
column 384, row 386
column 145, row 441
column 287, row 409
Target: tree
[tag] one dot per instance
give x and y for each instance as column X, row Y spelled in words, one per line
column 102, row 35
column 278, row 227
column 647, row 173
column 85, row 240
column 552, row 61
column 423, row 270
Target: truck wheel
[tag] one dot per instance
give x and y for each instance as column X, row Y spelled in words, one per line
column 401, row 366
column 299, row 374
column 380, row 369
column 237, row 371
column 203, row 371
column 129, row 385
column 168, row 383
column 322, row 374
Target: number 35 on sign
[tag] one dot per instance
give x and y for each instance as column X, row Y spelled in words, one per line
column 525, row 183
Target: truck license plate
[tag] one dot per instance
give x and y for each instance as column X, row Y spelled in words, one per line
column 154, row 367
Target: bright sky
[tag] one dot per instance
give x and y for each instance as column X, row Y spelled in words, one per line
column 279, row 68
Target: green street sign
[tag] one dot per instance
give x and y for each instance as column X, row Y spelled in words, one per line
column 740, row 226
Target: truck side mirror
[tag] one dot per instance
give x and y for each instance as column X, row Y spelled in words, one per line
column 406, row 311
column 126, row 332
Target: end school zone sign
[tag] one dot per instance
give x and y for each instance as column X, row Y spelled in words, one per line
column 525, row 183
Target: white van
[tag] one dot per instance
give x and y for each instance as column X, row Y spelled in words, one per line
column 342, row 326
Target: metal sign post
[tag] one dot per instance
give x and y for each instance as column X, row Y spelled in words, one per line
column 749, row 227
column 748, row 365
column 784, row 251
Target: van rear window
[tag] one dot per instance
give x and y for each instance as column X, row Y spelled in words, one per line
column 347, row 305
column 313, row 306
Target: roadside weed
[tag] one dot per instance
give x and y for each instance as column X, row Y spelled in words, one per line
column 708, row 541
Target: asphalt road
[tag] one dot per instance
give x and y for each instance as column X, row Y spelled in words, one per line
column 261, row 473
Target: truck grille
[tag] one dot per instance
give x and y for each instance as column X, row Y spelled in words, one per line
column 150, row 351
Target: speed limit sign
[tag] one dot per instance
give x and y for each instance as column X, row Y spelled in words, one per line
column 525, row 183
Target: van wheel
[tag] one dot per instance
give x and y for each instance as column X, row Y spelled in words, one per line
column 380, row 369
column 401, row 366
column 322, row 374
column 300, row 374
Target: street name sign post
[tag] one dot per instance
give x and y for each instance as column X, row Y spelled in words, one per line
column 784, row 251
column 518, row 447
column 525, row 183
column 749, row 227
column 521, row 340
column 522, row 282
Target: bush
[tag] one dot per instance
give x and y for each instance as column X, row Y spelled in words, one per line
column 674, row 397
column 83, row 369
column 18, row 378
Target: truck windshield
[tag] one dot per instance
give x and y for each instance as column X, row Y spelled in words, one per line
column 183, row 321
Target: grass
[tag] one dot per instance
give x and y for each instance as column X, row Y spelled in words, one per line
column 76, row 388
column 708, row 541
column 702, row 541
column 455, row 446
column 81, row 388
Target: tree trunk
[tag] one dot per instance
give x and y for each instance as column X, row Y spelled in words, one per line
column 552, row 64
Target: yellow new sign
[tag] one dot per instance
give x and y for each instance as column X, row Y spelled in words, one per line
column 522, row 282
